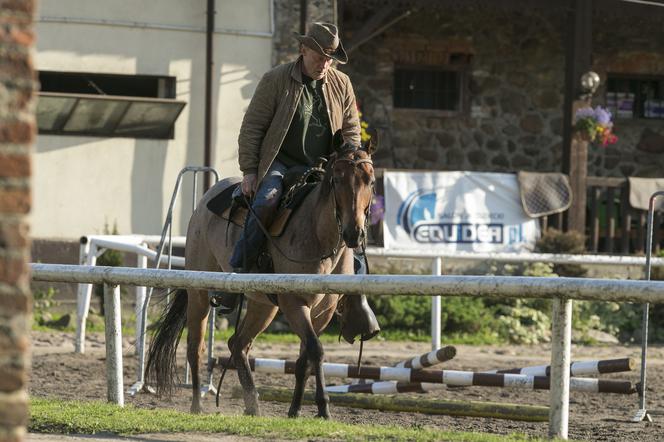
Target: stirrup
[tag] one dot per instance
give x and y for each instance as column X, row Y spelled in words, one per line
column 224, row 302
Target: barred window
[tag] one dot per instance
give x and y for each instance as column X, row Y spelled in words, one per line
column 635, row 97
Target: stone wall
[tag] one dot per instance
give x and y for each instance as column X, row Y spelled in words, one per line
column 17, row 128
column 515, row 89
column 287, row 23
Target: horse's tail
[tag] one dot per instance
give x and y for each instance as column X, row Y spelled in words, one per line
column 160, row 367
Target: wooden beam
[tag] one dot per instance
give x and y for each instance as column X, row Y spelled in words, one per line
column 303, row 17
column 578, row 57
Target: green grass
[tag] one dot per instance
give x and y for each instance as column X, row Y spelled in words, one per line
column 58, row 416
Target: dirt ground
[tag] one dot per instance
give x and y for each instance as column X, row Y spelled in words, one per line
column 58, row 372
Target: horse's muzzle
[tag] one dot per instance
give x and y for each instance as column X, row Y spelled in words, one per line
column 352, row 237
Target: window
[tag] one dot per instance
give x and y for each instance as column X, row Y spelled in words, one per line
column 107, row 105
column 635, row 97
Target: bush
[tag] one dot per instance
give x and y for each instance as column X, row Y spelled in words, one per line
column 555, row 241
column 42, row 304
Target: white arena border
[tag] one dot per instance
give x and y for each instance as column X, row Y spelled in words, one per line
column 93, row 245
column 560, row 290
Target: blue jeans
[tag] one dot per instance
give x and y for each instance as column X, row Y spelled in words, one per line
column 265, row 205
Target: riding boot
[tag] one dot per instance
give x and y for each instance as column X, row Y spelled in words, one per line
column 357, row 318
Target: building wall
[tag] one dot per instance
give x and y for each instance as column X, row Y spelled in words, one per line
column 17, row 125
column 620, row 48
column 86, row 184
column 515, row 89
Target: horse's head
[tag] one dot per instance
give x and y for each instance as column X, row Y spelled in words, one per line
column 350, row 174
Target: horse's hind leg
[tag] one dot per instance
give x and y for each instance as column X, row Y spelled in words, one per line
column 198, row 308
column 257, row 318
column 298, row 315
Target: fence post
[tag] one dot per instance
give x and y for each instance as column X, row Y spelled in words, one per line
column 561, row 337
column 578, row 175
column 435, row 307
column 112, row 320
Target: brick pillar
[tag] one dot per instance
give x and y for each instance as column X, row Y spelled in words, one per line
column 17, row 129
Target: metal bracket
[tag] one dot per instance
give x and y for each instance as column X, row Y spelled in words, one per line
column 642, row 415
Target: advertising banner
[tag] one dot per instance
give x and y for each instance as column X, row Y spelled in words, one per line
column 456, row 211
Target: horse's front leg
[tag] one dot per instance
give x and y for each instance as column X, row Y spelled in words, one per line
column 257, row 318
column 298, row 314
column 316, row 355
column 302, row 371
column 198, row 308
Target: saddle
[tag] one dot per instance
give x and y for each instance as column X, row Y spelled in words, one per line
column 297, row 183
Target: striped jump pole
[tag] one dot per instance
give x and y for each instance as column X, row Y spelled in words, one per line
column 518, row 381
column 580, row 368
column 448, row 377
column 430, row 359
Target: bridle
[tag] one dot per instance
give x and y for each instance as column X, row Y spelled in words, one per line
column 355, row 163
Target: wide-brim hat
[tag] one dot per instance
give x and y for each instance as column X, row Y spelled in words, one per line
column 324, row 39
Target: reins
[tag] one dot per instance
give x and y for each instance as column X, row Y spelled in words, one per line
column 335, row 249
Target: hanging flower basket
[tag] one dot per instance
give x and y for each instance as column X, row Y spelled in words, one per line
column 594, row 125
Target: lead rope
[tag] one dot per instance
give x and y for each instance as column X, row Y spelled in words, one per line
column 366, row 263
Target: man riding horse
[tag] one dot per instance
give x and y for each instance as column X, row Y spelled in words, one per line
column 290, row 121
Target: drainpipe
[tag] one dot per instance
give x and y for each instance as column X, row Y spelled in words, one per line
column 209, row 64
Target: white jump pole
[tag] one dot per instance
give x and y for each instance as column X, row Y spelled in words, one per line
column 87, row 256
column 142, row 263
column 436, row 307
column 112, row 319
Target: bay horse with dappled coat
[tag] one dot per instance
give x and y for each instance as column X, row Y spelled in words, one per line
column 319, row 239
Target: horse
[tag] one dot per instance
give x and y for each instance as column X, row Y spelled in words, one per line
column 319, row 239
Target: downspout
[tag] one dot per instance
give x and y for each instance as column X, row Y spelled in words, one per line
column 209, row 64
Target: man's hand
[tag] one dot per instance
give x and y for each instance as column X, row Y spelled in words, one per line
column 249, row 184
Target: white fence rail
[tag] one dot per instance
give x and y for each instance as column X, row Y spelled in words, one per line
column 561, row 290
column 93, row 245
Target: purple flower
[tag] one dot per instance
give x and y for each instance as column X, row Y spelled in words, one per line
column 377, row 209
column 602, row 116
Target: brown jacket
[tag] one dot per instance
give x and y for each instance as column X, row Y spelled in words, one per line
column 272, row 108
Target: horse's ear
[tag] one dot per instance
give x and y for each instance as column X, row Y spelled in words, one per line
column 337, row 141
column 371, row 146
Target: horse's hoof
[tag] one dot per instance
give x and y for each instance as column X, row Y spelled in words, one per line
column 323, row 412
column 293, row 413
column 252, row 412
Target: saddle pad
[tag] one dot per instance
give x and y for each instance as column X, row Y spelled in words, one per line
column 222, row 202
column 544, row 193
column 641, row 189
